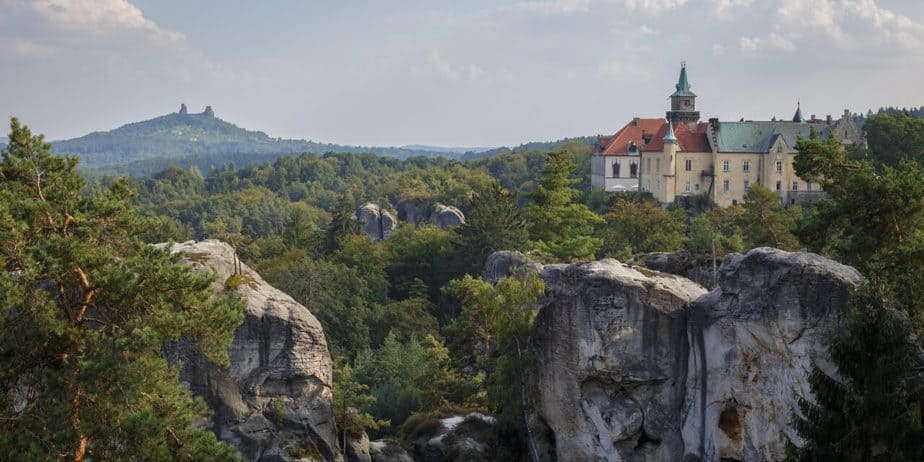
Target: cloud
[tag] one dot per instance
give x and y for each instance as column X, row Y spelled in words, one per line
column 654, row 4
column 23, row 48
column 553, row 6
column 101, row 17
column 437, row 66
column 771, row 41
column 724, row 8
column 852, row 23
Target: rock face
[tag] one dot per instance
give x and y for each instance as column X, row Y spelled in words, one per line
column 752, row 341
column 680, row 263
column 454, row 438
column 417, row 212
column 377, row 222
column 446, row 216
column 274, row 401
column 638, row 365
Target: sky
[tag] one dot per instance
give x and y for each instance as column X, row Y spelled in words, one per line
column 449, row 73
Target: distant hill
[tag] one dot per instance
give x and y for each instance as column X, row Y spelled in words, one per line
column 447, row 150
column 180, row 135
column 531, row 146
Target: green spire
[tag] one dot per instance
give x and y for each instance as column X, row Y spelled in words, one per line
column 798, row 117
column 683, row 85
column 669, row 137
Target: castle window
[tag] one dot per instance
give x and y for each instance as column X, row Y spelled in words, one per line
column 747, row 184
column 648, row 185
column 696, row 186
column 633, row 170
column 808, row 186
column 648, row 165
column 779, row 186
column 657, row 185
column 747, row 166
column 725, row 186
column 795, row 185
column 725, row 166
column 688, row 164
column 779, row 166
column 688, row 186
column 779, row 148
column 658, row 165
column 616, row 169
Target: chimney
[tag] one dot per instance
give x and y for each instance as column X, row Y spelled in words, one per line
column 828, row 119
column 636, row 121
column 813, row 119
column 714, row 123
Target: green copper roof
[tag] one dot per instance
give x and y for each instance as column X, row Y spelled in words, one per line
column 798, row 117
column 683, row 85
column 669, row 136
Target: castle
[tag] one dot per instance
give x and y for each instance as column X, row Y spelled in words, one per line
column 680, row 156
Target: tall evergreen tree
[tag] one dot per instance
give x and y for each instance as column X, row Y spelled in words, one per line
column 866, row 412
column 764, row 221
column 494, row 223
column 559, row 227
column 85, row 311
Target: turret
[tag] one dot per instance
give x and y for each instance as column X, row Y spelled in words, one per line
column 683, row 101
column 798, row 116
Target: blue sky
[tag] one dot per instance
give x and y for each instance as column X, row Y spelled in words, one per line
column 460, row 73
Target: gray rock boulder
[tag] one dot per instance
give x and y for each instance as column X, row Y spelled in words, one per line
column 274, row 401
column 376, row 221
column 611, row 362
column 753, row 340
column 638, row 365
column 357, row 449
column 504, row 263
column 413, row 212
column 446, row 216
column 388, row 450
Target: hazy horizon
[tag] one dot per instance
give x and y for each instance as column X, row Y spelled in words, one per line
column 471, row 73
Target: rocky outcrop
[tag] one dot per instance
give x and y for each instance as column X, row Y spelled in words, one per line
column 680, row 263
column 612, row 349
column 446, row 216
column 208, row 112
column 752, row 343
column 388, row 450
column 452, row 438
column 417, row 212
column 183, row 110
column 274, row 401
column 638, row 365
column 376, row 221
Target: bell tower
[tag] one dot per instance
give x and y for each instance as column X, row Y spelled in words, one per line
column 683, row 101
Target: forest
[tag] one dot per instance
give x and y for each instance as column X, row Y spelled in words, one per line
column 414, row 330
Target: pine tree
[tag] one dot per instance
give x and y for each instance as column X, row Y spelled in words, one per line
column 867, row 412
column 85, row 311
column 494, row 223
column 559, row 227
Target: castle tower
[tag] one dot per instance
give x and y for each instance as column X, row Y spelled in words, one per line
column 798, row 117
column 683, row 101
column 670, row 160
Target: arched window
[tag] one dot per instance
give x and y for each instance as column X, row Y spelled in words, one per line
column 633, row 170
column 616, row 169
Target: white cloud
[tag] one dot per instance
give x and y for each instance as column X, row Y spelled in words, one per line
column 96, row 16
column 771, row 41
column 852, row 23
column 724, row 8
column 438, row 66
column 655, row 5
column 23, row 48
column 553, row 6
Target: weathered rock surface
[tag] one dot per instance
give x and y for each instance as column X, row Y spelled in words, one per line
column 752, row 342
column 388, row 451
column 418, row 212
column 638, row 365
column 612, row 357
column 274, row 401
column 680, row 263
column 446, row 216
column 456, row 438
column 357, row 449
column 376, row 221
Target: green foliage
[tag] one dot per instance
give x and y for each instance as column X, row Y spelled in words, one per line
column 866, row 412
column 334, row 292
column 712, row 229
column 349, row 399
column 87, row 309
column 873, row 220
column 559, row 228
column 419, row 261
column 494, row 223
column 236, row 280
column 764, row 221
column 640, row 226
column 893, row 137
column 497, row 321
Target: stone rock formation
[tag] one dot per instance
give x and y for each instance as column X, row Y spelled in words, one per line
column 752, row 342
column 680, row 263
column 418, row 212
column 451, row 438
column 446, row 216
column 274, row 401
column 183, row 110
column 208, row 112
column 388, row 451
column 376, row 221
column 639, row 365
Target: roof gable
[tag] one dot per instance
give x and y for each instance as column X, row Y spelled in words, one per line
column 633, row 132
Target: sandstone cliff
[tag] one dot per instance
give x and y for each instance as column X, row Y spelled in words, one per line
column 274, row 401
column 637, row 365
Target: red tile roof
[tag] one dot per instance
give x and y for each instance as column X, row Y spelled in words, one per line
column 689, row 140
column 632, row 132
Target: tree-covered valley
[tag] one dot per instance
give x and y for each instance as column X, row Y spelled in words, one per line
column 415, row 328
